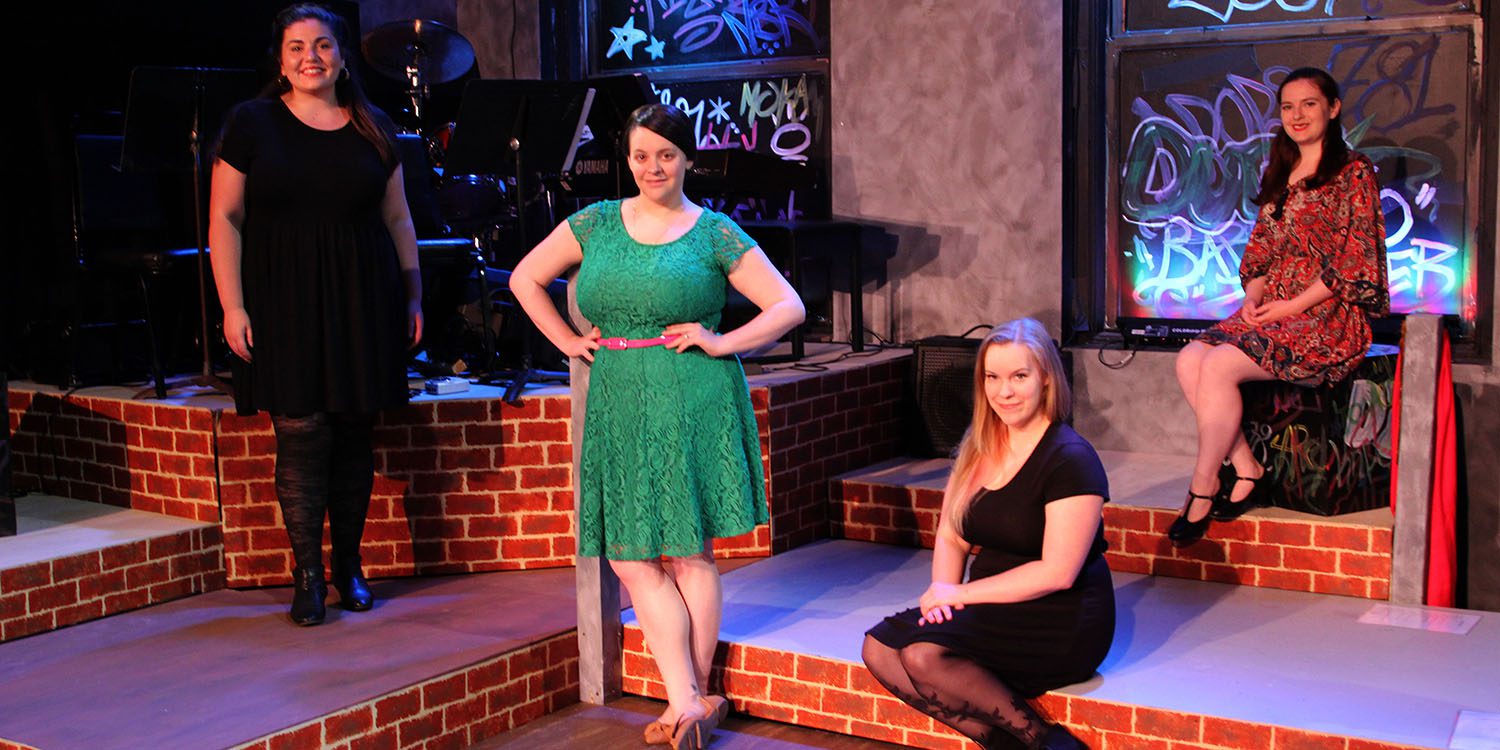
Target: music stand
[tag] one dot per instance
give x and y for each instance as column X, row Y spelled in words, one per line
column 167, row 113
column 617, row 97
column 530, row 129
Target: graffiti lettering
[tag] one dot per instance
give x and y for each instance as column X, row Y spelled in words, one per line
column 1391, row 77
column 784, row 108
column 755, row 28
column 1192, row 167
column 1228, row 9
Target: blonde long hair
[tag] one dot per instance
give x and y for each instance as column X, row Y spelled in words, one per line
column 987, row 436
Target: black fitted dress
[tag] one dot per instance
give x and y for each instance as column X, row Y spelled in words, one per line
column 1045, row 643
column 321, row 279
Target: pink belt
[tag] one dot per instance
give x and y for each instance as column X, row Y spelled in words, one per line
column 617, row 344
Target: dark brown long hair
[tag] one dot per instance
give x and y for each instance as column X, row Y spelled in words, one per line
column 346, row 89
column 1284, row 151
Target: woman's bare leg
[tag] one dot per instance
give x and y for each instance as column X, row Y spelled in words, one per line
column 667, row 630
column 697, row 580
column 1219, row 409
column 1189, row 365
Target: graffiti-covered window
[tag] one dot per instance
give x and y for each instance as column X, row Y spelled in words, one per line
column 1194, row 113
column 641, row 34
column 752, row 76
column 1147, row 15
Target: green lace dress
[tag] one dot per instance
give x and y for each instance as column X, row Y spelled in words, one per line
column 671, row 453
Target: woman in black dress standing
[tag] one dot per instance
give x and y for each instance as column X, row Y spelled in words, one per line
column 315, row 261
column 1038, row 610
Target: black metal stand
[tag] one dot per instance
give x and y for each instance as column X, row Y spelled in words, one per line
column 7, row 503
column 518, row 123
column 155, row 115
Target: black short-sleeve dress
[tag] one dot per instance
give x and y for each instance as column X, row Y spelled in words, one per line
column 318, row 268
column 1046, row 643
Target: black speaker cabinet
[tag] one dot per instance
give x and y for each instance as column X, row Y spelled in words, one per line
column 7, row 503
column 944, row 382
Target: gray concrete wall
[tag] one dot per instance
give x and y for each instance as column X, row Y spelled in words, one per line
column 490, row 25
column 1136, row 407
column 947, row 123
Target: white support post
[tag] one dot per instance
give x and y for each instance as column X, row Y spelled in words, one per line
column 599, row 632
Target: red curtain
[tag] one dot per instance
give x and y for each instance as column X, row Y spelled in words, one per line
column 1442, row 522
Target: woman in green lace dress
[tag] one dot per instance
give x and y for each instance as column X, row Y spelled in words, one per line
column 671, row 455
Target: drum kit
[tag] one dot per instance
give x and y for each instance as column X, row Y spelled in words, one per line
column 484, row 210
column 420, row 54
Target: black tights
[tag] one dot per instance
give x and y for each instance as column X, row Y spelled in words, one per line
column 954, row 690
column 325, row 463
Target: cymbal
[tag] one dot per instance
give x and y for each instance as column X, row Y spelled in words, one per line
column 440, row 53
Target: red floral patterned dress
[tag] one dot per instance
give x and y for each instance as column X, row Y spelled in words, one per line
column 1335, row 233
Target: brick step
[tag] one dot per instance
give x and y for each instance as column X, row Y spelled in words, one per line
column 73, row 561
column 464, row 482
column 432, row 665
column 1194, row 665
column 898, row 501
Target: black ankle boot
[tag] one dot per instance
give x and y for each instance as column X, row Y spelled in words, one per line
column 354, row 591
column 308, row 596
column 1059, row 738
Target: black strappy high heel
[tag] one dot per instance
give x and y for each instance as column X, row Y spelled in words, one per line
column 1184, row 532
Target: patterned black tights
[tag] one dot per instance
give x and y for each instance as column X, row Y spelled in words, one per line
column 324, row 464
column 950, row 688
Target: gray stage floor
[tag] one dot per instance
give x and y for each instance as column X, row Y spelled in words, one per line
column 221, row 668
column 1264, row 655
column 620, row 723
column 218, row 669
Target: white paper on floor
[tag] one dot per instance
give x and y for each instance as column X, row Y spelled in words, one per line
column 1476, row 730
column 1417, row 618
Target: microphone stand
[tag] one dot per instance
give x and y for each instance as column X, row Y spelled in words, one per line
column 228, row 80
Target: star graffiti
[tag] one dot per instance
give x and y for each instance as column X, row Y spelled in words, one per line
column 655, row 48
column 718, row 110
column 626, row 37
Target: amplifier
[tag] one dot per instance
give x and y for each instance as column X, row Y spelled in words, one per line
column 1161, row 331
column 944, row 380
column 943, row 374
